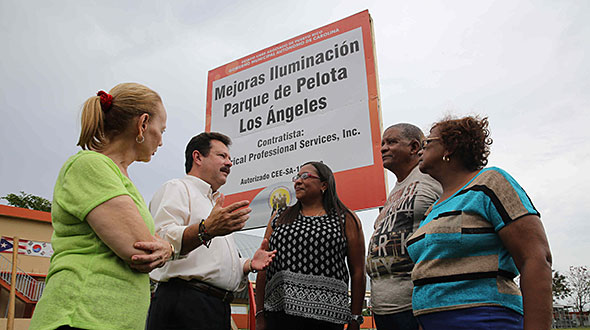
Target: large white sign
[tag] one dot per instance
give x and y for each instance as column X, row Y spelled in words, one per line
column 311, row 98
column 320, row 91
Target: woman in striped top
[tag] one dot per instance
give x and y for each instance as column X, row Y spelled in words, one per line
column 482, row 233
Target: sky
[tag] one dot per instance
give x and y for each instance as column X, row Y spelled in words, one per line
column 521, row 63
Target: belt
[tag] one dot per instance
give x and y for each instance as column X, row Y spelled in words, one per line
column 210, row 290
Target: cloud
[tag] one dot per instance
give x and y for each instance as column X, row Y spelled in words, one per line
column 522, row 63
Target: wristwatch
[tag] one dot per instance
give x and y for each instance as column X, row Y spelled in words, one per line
column 357, row 318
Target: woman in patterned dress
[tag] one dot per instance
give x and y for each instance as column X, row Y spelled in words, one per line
column 306, row 286
column 480, row 234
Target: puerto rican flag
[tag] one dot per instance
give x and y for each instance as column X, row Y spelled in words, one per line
column 6, row 245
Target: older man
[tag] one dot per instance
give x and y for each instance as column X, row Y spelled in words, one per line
column 195, row 290
column 388, row 263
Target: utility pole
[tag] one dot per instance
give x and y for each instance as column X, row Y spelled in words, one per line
column 12, row 297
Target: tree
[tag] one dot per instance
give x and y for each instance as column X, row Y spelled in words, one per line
column 560, row 286
column 579, row 281
column 28, row 201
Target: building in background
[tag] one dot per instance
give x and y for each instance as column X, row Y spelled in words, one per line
column 34, row 230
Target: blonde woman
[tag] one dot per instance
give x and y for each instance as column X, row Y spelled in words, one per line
column 97, row 278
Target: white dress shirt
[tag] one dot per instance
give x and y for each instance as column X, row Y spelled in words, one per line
column 183, row 202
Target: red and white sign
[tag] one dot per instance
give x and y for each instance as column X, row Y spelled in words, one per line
column 311, row 98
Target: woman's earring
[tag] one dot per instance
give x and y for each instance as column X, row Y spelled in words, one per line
column 138, row 140
column 446, row 159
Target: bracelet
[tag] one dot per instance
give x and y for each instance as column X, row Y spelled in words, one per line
column 173, row 254
column 250, row 269
column 260, row 311
column 204, row 235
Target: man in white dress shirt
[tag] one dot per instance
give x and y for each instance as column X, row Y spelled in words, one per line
column 196, row 287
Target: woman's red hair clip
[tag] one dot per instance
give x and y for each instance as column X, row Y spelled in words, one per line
column 106, row 100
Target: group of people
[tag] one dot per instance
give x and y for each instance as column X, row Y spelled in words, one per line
column 446, row 247
column 453, row 235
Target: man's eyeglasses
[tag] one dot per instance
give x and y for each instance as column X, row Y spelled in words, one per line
column 428, row 140
column 304, row 176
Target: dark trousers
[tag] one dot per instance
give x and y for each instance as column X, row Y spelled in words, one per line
column 282, row 321
column 474, row 318
column 179, row 306
column 398, row 321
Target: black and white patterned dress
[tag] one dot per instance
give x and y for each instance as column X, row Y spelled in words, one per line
column 308, row 276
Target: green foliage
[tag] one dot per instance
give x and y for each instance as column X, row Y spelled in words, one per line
column 560, row 286
column 28, row 201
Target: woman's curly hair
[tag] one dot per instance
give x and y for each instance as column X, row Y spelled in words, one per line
column 468, row 137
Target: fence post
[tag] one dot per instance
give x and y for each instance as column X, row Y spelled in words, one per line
column 252, row 309
column 12, row 297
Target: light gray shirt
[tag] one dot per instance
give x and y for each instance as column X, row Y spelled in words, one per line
column 388, row 262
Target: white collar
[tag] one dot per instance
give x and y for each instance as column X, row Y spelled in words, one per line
column 203, row 187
